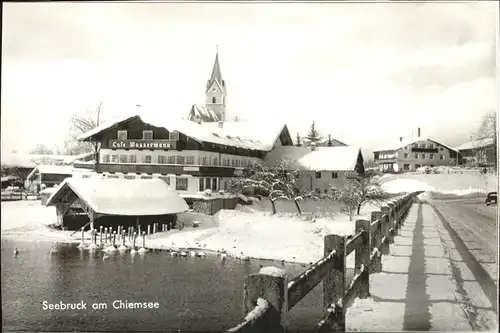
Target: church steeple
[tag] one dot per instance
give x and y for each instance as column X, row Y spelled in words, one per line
column 216, row 91
column 216, row 73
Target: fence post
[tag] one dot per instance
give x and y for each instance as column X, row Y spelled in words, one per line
column 334, row 281
column 376, row 265
column 362, row 257
column 384, row 248
column 270, row 284
column 392, row 222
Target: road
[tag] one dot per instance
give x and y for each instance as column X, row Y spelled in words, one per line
column 473, row 228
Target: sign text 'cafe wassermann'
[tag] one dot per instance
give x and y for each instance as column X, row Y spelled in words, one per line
column 142, row 144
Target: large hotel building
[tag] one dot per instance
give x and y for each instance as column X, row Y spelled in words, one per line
column 203, row 151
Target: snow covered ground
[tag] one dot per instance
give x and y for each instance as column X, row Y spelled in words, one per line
column 457, row 184
column 254, row 233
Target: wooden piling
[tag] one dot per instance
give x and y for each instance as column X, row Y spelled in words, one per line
column 154, row 228
column 385, row 230
column 114, row 238
column 105, row 235
column 135, row 236
column 334, row 282
column 100, row 234
column 144, row 239
column 362, row 257
column 83, row 233
column 149, row 229
column 376, row 265
column 123, row 238
column 270, row 284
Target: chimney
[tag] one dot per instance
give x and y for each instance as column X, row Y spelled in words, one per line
column 221, row 124
column 418, row 132
column 400, row 139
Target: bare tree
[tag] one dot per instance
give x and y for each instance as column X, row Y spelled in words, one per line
column 277, row 182
column 80, row 124
column 488, row 130
column 358, row 192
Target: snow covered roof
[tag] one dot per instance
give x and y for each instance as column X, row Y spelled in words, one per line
column 398, row 144
column 51, row 169
column 342, row 158
column 205, row 114
column 138, row 197
column 255, row 136
column 476, row 144
column 105, row 126
column 80, row 157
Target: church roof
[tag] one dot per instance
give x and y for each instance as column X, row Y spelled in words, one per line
column 216, row 74
column 205, row 114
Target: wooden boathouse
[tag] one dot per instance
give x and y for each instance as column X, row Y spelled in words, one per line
column 96, row 202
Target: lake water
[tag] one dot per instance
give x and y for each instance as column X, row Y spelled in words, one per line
column 194, row 294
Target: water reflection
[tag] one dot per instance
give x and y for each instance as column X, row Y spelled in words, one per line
column 194, row 293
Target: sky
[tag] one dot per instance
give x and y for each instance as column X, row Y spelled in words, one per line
column 365, row 73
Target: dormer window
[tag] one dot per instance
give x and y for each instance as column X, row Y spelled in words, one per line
column 122, row 135
column 174, row 136
column 147, row 135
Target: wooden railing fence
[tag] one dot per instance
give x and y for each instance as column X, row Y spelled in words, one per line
column 268, row 295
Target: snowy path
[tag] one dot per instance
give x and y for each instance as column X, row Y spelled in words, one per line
column 421, row 287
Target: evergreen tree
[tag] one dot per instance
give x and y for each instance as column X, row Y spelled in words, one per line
column 313, row 135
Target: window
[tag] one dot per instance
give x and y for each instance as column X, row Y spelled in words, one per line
column 190, row 160
column 147, row 135
column 423, row 156
column 406, row 167
column 146, row 177
column 208, row 183
column 318, row 174
column 122, row 135
column 417, row 166
column 431, row 145
column 204, row 160
column 441, row 157
column 123, row 159
column 174, row 136
column 171, row 159
column 166, row 179
column 214, row 100
column 129, row 177
column 431, row 156
column 114, row 158
column 214, row 161
column 132, row 159
column 335, row 175
column 406, row 155
column 180, row 159
column 214, row 184
column 233, row 163
column 201, row 184
column 181, row 184
column 105, row 158
column 416, row 155
column 86, row 176
column 113, row 176
column 162, row 159
column 146, row 159
column 424, row 145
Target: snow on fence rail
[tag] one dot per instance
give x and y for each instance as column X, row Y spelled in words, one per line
column 268, row 295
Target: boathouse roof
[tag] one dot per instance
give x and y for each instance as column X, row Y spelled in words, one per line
column 139, row 197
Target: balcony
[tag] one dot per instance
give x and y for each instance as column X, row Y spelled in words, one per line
column 425, row 150
column 195, row 170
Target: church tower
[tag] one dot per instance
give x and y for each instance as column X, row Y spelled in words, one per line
column 216, row 91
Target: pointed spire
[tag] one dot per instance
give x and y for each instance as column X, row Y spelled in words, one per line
column 216, row 72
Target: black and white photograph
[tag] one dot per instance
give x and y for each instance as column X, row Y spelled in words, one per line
column 249, row 166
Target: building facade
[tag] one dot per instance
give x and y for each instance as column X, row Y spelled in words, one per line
column 409, row 154
column 479, row 153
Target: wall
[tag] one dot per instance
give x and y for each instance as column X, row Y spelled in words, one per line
column 310, row 182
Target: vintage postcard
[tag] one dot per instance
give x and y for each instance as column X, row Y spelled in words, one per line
column 249, row 166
